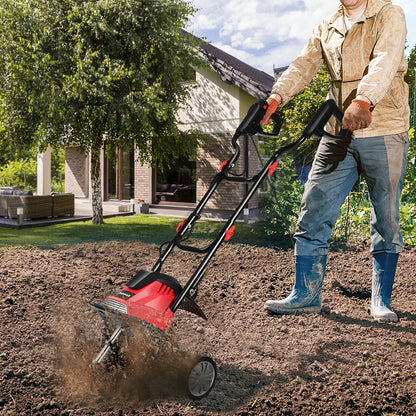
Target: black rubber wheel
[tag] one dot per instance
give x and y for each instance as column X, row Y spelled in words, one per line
column 201, row 378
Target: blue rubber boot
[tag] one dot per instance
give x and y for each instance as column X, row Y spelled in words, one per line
column 306, row 293
column 384, row 270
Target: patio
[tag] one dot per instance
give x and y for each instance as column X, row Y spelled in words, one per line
column 83, row 212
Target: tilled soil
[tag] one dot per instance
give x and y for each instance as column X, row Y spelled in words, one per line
column 338, row 362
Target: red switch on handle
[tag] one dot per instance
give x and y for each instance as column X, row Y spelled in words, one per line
column 229, row 233
column 180, row 225
column 272, row 168
column 224, row 164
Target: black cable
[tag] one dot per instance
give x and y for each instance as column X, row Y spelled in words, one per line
column 161, row 249
column 184, row 238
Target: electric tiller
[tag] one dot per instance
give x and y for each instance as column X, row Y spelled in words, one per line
column 153, row 297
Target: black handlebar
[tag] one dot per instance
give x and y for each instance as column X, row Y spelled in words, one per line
column 317, row 123
column 251, row 122
column 251, row 125
column 315, row 127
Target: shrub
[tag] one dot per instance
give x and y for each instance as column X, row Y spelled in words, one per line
column 21, row 173
column 284, row 187
column 409, row 189
column 354, row 217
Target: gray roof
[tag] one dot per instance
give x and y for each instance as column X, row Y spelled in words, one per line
column 255, row 82
column 279, row 71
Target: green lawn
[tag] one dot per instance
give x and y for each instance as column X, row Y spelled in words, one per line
column 148, row 228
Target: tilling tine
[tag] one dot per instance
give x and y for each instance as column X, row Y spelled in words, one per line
column 107, row 346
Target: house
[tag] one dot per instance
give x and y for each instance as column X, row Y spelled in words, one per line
column 221, row 98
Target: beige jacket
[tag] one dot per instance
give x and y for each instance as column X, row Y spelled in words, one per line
column 368, row 60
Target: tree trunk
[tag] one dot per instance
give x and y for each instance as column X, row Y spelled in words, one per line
column 96, row 198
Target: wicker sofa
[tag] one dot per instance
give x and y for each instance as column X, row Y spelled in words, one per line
column 35, row 206
column 63, row 204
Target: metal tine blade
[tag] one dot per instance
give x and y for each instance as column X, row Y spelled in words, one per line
column 107, row 346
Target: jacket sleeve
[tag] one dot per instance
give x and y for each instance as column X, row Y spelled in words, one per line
column 302, row 70
column 387, row 56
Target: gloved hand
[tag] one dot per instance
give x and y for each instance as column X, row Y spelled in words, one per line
column 357, row 116
column 274, row 101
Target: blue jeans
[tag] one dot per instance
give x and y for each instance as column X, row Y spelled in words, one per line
column 336, row 168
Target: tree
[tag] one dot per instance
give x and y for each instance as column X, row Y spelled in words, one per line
column 81, row 73
column 410, row 79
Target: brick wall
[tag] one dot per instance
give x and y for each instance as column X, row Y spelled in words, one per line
column 210, row 157
column 76, row 172
column 142, row 181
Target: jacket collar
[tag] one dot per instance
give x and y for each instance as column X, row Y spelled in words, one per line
column 373, row 7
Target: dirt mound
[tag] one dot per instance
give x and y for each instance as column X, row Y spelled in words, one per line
column 338, row 362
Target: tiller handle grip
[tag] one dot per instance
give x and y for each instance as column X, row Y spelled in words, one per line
column 251, row 122
column 317, row 123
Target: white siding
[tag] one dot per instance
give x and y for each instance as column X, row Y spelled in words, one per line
column 214, row 106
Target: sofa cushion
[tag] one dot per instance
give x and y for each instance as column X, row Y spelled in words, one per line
column 22, row 193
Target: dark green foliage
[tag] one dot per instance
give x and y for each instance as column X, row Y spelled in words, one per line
column 75, row 72
column 21, row 171
column 410, row 79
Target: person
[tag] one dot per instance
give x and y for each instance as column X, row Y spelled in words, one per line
column 362, row 44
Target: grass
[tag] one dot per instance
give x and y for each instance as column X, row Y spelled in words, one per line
column 147, row 228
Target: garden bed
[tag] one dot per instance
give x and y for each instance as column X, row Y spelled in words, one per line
column 338, row 362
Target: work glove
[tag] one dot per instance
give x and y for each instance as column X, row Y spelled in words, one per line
column 357, row 116
column 274, row 101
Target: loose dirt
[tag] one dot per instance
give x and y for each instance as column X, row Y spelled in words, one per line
column 338, row 362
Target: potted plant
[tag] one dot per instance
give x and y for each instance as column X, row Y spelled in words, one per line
column 141, row 207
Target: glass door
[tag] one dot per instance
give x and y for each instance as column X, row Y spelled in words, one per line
column 118, row 173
